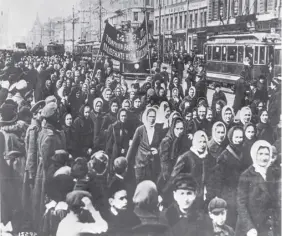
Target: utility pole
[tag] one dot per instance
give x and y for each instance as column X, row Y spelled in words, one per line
column 50, row 30
column 100, row 20
column 187, row 26
column 160, row 12
column 64, row 32
column 73, row 23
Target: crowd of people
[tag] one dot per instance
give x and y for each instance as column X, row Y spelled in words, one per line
column 82, row 152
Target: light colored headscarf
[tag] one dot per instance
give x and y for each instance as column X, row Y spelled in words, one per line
column 105, row 90
column 145, row 114
column 96, row 100
column 125, row 101
column 215, row 125
column 224, row 110
column 243, row 111
column 254, row 150
column 172, row 116
column 161, row 113
column 195, row 142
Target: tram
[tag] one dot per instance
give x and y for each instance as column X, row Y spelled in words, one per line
column 87, row 49
column 55, row 49
column 225, row 55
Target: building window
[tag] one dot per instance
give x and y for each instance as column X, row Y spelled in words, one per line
column 175, row 22
column 171, row 22
column 180, row 21
column 135, row 16
column 205, row 19
column 265, row 5
column 202, row 19
column 147, row 3
column 167, row 24
column 235, row 8
column 156, row 27
column 163, row 26
column 196, row 20
column 213, row 10
column 221, row 9
column 185, row 20
column 191, row 20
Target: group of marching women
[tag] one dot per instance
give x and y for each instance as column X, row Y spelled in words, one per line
column 84, row 153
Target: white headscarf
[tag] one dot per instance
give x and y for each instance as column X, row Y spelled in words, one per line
column 226, row 107
column 215, row 125
column 243, row 111
column 145, row 114
column 195, row 142
column 161, row 113
column 254, row 150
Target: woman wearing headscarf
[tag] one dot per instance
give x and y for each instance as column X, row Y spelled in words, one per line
column 83, row 129
column 197, row 162
column 191, row 98
column 143, row 152
column 230, row 166
column 175, row 100
column 97, row 117
column 145, row 202
column 264, row 128
column 118, row 94
column 245, row 116
column 76, row 101
column 258, row 212
column 175, row 83
column 227, row 115
column 172, row 146
column 217, row 110
column 111, row 116
column 126, row 104
column 249, row 139
column 68, row 130
column 217, row 143
column 117, row 138
column 107, row 95
column 162, row 118
column 136, row 108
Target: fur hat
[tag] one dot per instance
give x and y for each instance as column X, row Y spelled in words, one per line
column 8, row 114
column 49, row 110
column 50, row 99
column 116, row 186
column 61, row 156
column 79, row 168
column 74, row 198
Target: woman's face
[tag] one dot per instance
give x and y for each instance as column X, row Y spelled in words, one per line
column 250, row 132
column 237, row 137
column 228, row 116
column 84, row 87
column 167, row 112
column 247, row 116
column 218, row 108
column 188, row 117
column 123, row 116
column 108, row 95
column 161, row 93
column 263, row 157
column 86, row 112
column 191, row 92
column 92, row 91
column 126, row 106
column 202, row 144
column 137, row 103
column 151, row 117
column 194, row 114
column 175, row 93
column 219, row 134
column 98, row 107
column 264, row 117
column 114, row 108
column 118, row 92
column 178, row 129
column 131, row 95
column 68, row 120
column 260, row 106
column 209, row 115
column 202, row 113
column 77, row 95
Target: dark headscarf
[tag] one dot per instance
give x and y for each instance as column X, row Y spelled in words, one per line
column 236, row 148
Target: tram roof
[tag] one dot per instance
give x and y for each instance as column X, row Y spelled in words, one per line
column 256, row 36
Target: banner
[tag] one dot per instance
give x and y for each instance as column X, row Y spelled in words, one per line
column 126, row 47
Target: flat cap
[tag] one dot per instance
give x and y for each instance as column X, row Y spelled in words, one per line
column 74, row 198
column 49, row 110
column 37, row 106
column 185, row 181
column 217, row 205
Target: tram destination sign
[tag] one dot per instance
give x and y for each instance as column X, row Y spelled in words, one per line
column 125, row 47
column 225, row 40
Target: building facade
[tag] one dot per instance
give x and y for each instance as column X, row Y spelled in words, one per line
column 177, row 17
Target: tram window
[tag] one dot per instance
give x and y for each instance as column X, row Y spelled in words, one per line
column 249, row 53
column 277, row 57
column 216, row 52
column 256, row 54
column 209, row 53
column 262, row 55
column 223, row 53
column 232, row 53
column 240, row 54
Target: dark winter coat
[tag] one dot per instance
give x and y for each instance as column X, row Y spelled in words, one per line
column 274, row 108
column 109, row 119
column 216, row 97
column 215, row 149
column 265, row 132
column 70, row 139
column 201, row 89
column 197, row 124
column 193, row 224
column 139, row 154
column 247, row 145
column 240, row 91
column 256, row 204
column 199, row 168
column 224, row 180
column 98, row 134
column 170, row 149
column 49, row 140
column 83, row 130
column 117, row 139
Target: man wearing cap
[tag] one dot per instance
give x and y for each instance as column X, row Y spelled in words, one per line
column 182, row 216
column 240, row 89
column 31, row 140
column 217, row 212
column 274, row 107
column 50, row 139
column 165, row 76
